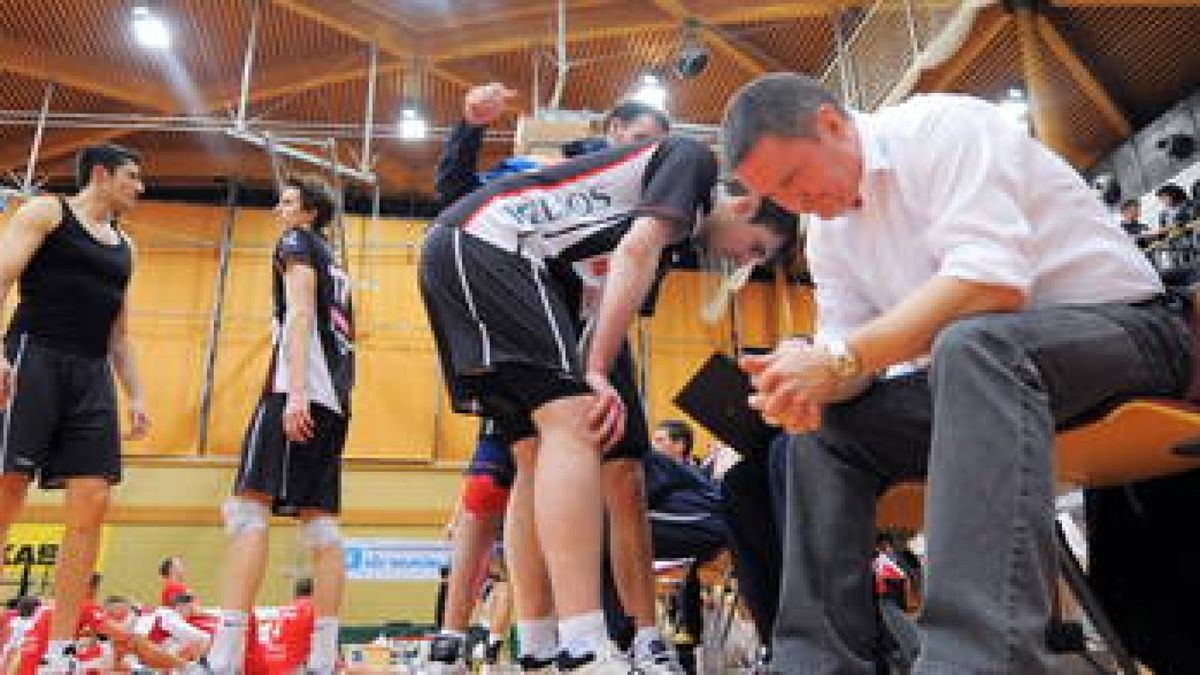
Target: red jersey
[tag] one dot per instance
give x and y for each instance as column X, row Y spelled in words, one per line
column 255, row 662
column 172, row 589
column 291, row 641
column 205, row 621
column 35, row 642
column 92, row 619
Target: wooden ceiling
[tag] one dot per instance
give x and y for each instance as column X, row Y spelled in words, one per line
column 1112, row 66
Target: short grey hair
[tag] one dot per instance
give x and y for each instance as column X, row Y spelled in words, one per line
column 776, row 104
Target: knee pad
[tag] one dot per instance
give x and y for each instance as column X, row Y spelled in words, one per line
column 244, row 515
column 320, row 532
column 483, row 497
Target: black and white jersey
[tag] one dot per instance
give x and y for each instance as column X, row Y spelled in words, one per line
column 571, row 215
column 331, row 348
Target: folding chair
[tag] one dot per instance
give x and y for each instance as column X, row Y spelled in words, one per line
column 1136, row 441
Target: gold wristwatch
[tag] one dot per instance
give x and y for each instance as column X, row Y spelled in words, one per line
column 845, row 364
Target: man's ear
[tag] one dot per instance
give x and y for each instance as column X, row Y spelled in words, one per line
column 831, row 122
column 743, row 207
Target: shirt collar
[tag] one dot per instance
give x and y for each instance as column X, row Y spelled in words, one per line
column 875, row 154
column 874, row 146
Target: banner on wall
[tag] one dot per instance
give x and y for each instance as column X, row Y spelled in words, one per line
column 31, row 553
column 395, row 559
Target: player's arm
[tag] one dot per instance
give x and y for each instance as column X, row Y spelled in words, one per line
column 632, row 268
column 300, row 289
column 19, row 240
column 456, row 174
column 126, row 641
column 120, row 354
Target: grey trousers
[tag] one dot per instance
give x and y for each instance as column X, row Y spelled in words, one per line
column 979, row 426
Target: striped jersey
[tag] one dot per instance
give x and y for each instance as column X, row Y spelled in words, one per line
column 570, row 216
column 331, row 347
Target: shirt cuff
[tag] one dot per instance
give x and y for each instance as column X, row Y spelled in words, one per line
column 988, row 265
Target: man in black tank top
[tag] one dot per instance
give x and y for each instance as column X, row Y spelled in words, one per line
column 58, row 407
column 292, row 455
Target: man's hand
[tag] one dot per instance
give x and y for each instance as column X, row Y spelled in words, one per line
column 298, row 423
column 139, row 421
column 8, row 381
column 486, row 103
column 792, row 383
column 606, row 419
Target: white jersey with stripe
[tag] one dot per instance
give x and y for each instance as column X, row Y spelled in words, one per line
column 331, row 344
column 580, row 209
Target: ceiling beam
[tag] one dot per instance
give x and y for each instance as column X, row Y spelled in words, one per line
column 297, row 77
column 1046, row 107
column 716, row 41
column 1091, row 87
column 89, row 75
column 608, row 21
column 984, row 36
column 286, row 80
column 368, row 25
column 1124, row 3
column 724, row 13
column 594, row 23
column 63, row 143
column 353, row 19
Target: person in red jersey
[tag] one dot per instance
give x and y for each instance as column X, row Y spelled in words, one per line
column 174, row 583
column 291, row 640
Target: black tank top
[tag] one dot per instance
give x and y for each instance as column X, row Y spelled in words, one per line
column 72, row 289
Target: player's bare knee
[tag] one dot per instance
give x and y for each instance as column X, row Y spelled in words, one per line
column 319, row 533
column 243, row 516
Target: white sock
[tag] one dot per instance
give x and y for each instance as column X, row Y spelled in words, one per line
column 57, row 650
column 461, row 635
column 583, row 633
column 323, row 657
column 642, row 640
column 538, row 637
column 228, row 650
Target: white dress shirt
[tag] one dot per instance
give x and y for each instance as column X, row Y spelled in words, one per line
column 952, row 186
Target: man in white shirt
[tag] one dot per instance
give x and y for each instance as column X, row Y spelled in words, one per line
column 943, row 233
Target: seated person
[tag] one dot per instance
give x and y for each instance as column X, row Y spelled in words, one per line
column 1177, row 209
column 938, row 230
column 169, row 628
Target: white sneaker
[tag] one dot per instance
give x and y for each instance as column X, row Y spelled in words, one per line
column 660, row 660
column 528, row 664
column 608, row 661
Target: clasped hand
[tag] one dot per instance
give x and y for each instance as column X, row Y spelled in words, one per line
column 792, row 384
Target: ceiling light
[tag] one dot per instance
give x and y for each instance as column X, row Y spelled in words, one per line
column 693, row 56
column 651, row 92
column 150, row 30
column 1016, row 106
column 412, row 125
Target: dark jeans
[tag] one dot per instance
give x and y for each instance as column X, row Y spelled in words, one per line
column 980, row 426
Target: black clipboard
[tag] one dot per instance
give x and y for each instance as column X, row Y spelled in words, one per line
column 716, row 398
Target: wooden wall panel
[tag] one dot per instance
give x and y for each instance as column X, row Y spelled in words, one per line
column 400, row 409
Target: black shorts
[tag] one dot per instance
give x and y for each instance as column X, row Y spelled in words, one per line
column 61, row 421
column 505, row 331
column 508, row 339
column 294, row 475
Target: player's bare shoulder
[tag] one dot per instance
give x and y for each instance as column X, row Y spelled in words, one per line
column 41, row 214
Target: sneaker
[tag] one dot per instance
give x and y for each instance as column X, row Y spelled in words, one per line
column 58, row 664
column 529, row 664
column 659, row 661
column 608, row 661
column 445, row 656
column 491, row 655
